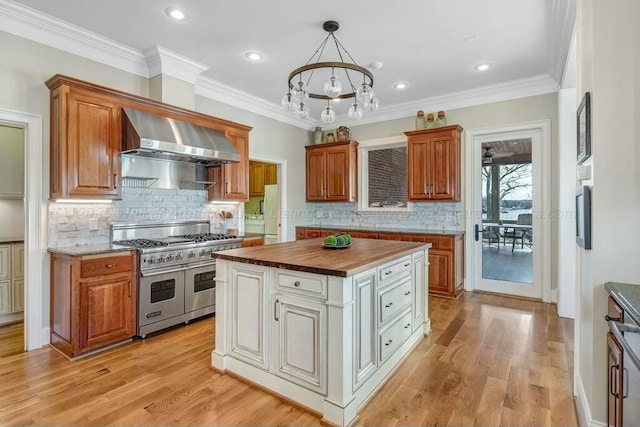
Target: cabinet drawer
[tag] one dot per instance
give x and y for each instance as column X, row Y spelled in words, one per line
column 614, row 310
column 393, row 300
column 445, row 243
column 427, row 239
column 104, row 265
column 392, row 271
column 393, row 337
column 311, row 285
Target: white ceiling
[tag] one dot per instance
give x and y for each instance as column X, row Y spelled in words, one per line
column 420, row 42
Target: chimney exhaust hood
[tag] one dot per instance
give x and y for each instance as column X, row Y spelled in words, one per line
column 149, row 135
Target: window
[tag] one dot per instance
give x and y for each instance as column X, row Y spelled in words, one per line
column 383, row 175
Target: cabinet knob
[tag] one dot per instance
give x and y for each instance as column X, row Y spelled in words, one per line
column 408, row 293
column 408, row 326
column 388, row 342
column 109, row 265
column 296, row 284
column 387, row 273
column 389, row 305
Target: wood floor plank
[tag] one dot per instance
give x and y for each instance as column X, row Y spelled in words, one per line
column 489, row 361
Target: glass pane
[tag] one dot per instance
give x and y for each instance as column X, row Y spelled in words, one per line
column 388, row 177
column 507, row 193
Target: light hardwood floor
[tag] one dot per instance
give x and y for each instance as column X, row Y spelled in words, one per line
column 11, row 339
column 490, row 360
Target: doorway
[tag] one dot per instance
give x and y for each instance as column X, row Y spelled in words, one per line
column 508, row 226
column 267, row 198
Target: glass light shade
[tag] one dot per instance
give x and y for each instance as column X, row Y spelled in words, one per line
column 355, row 112
column 374, row 104
column 333, row 87
column 300, row 93
column 287, row 101
column 364, row 93
column 302, row 111
column 328, row 115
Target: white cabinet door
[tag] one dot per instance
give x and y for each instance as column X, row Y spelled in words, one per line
column 17, row 261
column 5, row 297
column 5, row 266
column 18, row 295
column 418, row 297
column 300, row 342
column 364, row 337
column 250, row 324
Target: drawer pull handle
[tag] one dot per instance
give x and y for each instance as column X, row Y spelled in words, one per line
column 408, row 293
column 609, row 318
column 408, row 326
column 389, row 305
column 109, row 265
column 296, row 284
column 407, row 264
column 388, row 342
column 387, row 273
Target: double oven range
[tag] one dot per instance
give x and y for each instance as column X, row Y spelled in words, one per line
column 176, row 277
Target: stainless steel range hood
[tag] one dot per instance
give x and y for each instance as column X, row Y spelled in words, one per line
column 149, row 135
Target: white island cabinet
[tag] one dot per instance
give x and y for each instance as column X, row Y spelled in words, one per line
column 324, row 328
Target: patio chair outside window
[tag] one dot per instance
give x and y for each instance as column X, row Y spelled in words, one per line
column 516, row 234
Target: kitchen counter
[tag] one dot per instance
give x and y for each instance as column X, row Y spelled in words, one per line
column 628, row 296
column 388, row 230
column 309, row 256
column 11, row 239
column 82, row 250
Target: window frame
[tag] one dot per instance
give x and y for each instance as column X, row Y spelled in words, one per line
column 363, row 172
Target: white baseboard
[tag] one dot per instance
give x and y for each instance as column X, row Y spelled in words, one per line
column 45, row 336
column 582, row 407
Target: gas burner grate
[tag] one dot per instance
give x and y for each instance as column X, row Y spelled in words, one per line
column 207, row 237
column 140, row 243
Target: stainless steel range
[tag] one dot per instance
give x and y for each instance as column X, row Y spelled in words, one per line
column 176, row 271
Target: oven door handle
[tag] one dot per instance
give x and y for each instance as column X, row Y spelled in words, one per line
column 617, row 329
column 159, row 272
column 202, row 264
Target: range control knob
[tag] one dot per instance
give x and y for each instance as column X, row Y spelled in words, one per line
column 160, row 259
column 169, row 257
column 179, row 256
column 150, row 261
column 192, row 254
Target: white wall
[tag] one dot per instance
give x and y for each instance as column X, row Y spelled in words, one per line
column 608, row 56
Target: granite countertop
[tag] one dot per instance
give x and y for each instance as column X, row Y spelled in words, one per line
column 12, row 239
column 628, row 296
column 389, row 230
column 82, row 250
column 308, row 255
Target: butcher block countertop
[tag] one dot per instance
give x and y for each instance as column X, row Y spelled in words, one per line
column 309, row 256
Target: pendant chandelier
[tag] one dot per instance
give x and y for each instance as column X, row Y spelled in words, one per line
column 337, row 75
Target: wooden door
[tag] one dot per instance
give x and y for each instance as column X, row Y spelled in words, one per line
column 418, row 155
column 300, row 342
column 249, row 296
column 316, row 172
column 256, row 178
column 236, row 175
column 442, row 168
column 107, row 311
column 93, row 145
column 614, row 383
column 337, row 174
column 270, row 174
column 440, row 272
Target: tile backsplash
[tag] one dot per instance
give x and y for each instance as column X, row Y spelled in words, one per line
column 84, row 224
column 432, row 216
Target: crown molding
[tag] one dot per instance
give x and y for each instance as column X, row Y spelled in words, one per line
column 161, row 60
column 562, row 27
column 522, row 88
column 31, row 24
column 218, row 91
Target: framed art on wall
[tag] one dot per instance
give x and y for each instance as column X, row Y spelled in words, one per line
column 584, row 128
column 583, row 217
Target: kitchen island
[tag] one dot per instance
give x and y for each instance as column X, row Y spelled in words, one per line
column 322, row 327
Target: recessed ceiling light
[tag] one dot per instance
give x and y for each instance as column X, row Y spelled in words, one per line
column 471, row 38
column 376, row 65
column 175, row 13
column 482, row 67
column 400, row 85
column 254, row 56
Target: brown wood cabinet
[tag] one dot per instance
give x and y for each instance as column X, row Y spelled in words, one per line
column 261, row 174
column 86, row 141
column 433, row 168
column 332, row 172
column 93, row 301
column 85, row 144
column 252, row 241
column 446, row 256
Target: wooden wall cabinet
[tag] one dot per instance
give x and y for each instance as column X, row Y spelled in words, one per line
column 232, row 179
column 93, row 300
column 433, row 168
column 261, row 174
column 332, row 172
column 86, row 142
column 446, row 256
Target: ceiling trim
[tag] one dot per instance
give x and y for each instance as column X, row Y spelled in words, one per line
column 31, row 24
column 562, row 26
column 161, row 60
column 522, row 88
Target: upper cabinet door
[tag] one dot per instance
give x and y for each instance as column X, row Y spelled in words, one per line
column 337, row 173
column 443, row 158
column 270, row 173
column 316, row 162
column 417, row 155
column 256, row 179
column 85, row 145
column 332, row 172
column 236, row 175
